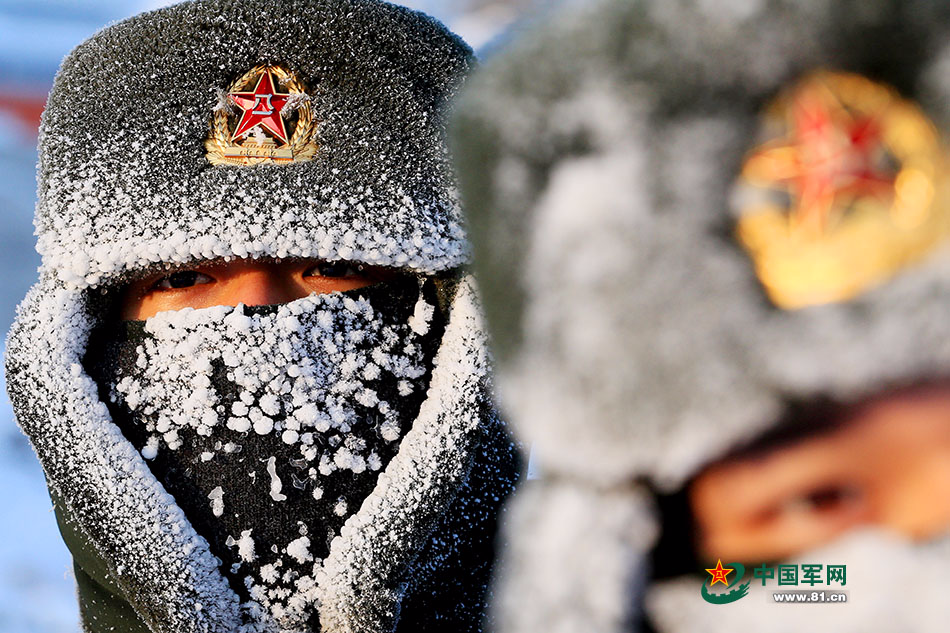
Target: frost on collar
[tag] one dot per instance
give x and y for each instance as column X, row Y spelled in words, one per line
column 124, row 181
column 164, row 568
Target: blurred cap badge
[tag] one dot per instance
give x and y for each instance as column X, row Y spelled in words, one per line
column 265, row 117
column 843, row 192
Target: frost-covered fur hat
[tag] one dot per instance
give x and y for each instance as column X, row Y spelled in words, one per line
column 127, row 182
column 598, row 159
column 125, row 178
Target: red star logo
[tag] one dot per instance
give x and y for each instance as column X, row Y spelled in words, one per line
column 831, row 157
column 261, row 107
column 719, row 574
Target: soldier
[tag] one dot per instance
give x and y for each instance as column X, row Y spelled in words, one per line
column 713, row 241
column 252, row 366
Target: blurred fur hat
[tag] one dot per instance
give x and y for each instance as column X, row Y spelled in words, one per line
column 628, row 252
column 600, row 161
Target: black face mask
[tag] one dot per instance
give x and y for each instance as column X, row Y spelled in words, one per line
column 270, row 425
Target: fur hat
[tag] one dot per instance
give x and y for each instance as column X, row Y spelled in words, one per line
column 130, row 175
column 630, row 323
column 599, row 159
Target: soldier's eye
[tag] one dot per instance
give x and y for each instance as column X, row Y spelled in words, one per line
column 335, row 269
column 821, row 499
column 832, row 497
column 182, row 279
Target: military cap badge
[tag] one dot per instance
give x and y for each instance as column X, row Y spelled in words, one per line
column 843, row 191
column 265, row 117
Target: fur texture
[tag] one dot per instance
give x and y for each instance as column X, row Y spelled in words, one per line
column 597, row 180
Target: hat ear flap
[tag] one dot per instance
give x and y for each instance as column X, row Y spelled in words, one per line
column 585, row 566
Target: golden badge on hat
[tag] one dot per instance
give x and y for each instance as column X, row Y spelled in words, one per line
column 265, row 117
column 846, row 189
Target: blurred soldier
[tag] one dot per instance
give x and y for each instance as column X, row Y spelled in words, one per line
column 713, row 240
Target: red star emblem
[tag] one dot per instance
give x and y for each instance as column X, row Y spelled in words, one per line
column 261, row 107
column 830, row 157
column 719, row 574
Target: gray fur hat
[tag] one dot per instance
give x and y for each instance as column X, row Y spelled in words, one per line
column 125, row 176
column 598, row 159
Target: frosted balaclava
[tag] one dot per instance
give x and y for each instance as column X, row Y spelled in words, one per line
column 373, row 465
column 628, row 171
column 270, row 425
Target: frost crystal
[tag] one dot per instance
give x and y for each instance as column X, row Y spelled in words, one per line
column 246, row 547
column 300, row 549
column 217, row 501
column 275, row 484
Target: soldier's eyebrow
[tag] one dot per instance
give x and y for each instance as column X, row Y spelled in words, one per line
column 820, row 415
column 800, row 419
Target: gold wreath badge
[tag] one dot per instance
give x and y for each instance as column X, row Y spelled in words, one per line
column 265, row 117
column 846, row 189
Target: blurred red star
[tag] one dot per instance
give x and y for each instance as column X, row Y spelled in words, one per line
column 831, row 155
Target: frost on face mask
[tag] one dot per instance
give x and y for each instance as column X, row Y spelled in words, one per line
column 270, row 425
